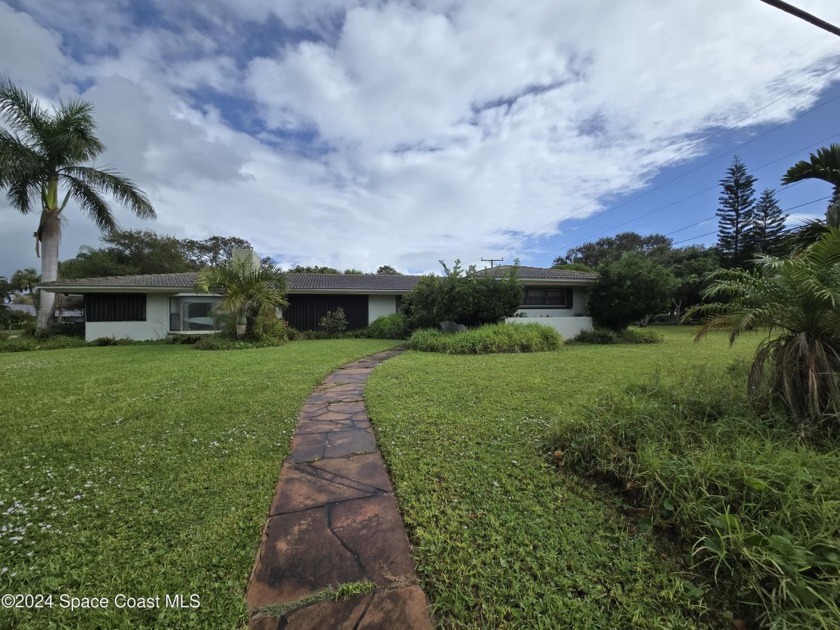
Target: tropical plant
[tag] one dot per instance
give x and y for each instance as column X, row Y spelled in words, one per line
column 334, row 322
column 43, row 153
column 248, row 290
column 824, row 165
column 798, row 300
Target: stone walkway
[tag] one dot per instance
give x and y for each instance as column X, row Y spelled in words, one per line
column 334, row 521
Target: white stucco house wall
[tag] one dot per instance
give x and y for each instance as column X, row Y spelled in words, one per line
column 154, row 306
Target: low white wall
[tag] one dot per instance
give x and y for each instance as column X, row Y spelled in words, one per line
column 381, row 305
column 156, row 325
column 566, row 326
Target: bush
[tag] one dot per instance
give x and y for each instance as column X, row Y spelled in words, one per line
column 25, row 343
column 465, row 297
column 183, row 340
column 394, row 326
column 488, row 339
column 68, row 329
column 334, row 322
column 224, row 342
column 757, row 506
column 606, row 336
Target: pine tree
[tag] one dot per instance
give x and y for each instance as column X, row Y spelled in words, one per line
column 768, row 222
column 737, row 201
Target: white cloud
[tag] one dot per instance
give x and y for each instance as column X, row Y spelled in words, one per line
column 442, row 129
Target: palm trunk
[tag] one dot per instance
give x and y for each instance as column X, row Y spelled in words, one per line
column 49, row 232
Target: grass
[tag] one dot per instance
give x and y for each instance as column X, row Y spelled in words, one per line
column 503, row 539
column 488, row 339
column 146, row 471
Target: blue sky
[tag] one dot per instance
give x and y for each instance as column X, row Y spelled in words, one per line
column 356, row 134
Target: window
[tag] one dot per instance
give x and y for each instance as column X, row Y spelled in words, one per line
column 194, row 313
column 548, row 298
column 115, row 307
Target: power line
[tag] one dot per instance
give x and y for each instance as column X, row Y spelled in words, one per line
column 700, row 192
column 808, row 17
column 685, row 150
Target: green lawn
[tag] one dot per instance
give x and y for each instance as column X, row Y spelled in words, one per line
column 501, row 537
column 145, row 471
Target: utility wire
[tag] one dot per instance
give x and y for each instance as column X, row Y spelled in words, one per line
column 704, row 190
column 808, row 17
column 685, row 150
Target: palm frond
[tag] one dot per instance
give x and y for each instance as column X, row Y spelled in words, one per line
column 824, row 165
column 20, row 110
column 91, row 202
column 119, row 187
column 71, row 139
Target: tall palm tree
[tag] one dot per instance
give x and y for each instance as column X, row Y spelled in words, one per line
column 798, row 300
column 248, row 290
column 44, row 153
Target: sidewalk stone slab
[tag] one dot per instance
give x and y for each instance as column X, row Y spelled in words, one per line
column 300, row 556
column 334, row 520
column 373, row 529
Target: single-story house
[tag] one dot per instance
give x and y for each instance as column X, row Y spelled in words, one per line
column 553, row 297
column 154, row 306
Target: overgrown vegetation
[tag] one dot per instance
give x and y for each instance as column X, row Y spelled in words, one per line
column 26, row 343
column 757, row 506
column 463, row 296
column 488, row 339
column 798, row 300
column 150, row 475
column 334, row 322
column 605, row 336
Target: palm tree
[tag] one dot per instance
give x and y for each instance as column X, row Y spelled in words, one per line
column 43, row 153
column 824, row 165
column 798, row 300
column 248, row 290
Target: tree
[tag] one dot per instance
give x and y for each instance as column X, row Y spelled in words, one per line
column 690, row 267
column 131, row 252
column 248, row 290
column 387, row 270
column 43, row 153
column 24, row 280
column 213, row 251
column 768, row 223
column 315, row 269
column 797, row 300
column 824, row 165
column 353, row 272
column 628, row 290
column 611, row 248
column 735, row 228
column 5, row 289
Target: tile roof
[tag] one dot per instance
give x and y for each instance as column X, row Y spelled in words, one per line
column 297, row 282
column 540, row 273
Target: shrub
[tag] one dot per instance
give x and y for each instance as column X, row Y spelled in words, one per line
column 334, row 322
column 184, row 340
column 25, row 343
column 394, row 326
column 68, row 329
column 757, row 506
column 488, row 339
column 225, row 342
column 606, row 336
column 463, row 296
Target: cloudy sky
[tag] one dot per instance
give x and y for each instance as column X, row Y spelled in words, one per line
column 356, row 134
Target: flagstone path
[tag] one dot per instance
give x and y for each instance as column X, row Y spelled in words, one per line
column 334, row 520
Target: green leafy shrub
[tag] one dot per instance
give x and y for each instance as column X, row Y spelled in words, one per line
column 488, row 339
column 757, row 505
column 394, row 326
column 26, row 343
column 334, row 322
column 462, row 296
column 606, row 336
column 68, row 329
column 183, row 340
